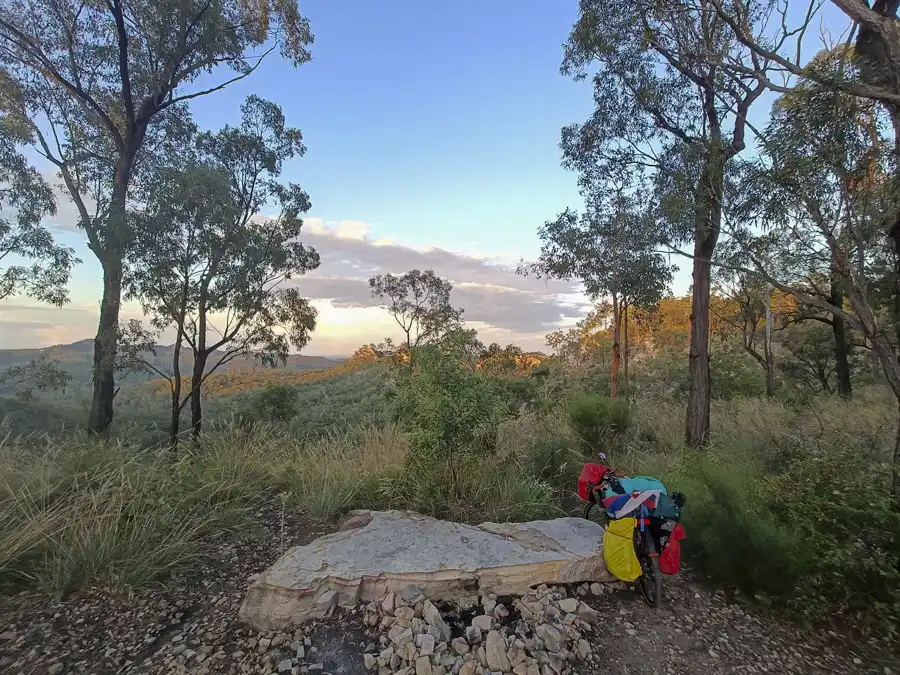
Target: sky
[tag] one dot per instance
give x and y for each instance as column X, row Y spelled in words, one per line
column 432, row 134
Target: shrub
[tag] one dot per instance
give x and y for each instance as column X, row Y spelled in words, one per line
column 598, row 419
column 277, row 402
column 448, row 410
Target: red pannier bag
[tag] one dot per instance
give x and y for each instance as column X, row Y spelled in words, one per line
column 670, row 558
column 591, row 476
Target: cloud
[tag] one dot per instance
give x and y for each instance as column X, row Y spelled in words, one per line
column 486, row 287
column 501, row 305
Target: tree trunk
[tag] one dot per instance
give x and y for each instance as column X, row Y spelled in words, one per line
column 196, row 400
column 767, row 348
column 175, row 419
column 626, row 381
column 709, row 222
column 105, row 343
column 616, row 354
column 200, row 356
column 839, row 330
column 111, row 259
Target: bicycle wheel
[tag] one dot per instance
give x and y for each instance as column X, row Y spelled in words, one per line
column 596, row 513
column 650, row 580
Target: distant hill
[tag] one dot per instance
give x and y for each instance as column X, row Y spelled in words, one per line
column 77, row 360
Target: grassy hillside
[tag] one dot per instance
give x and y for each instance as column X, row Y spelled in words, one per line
column 77, row 360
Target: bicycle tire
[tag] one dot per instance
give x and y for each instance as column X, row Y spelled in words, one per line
column 650, row 581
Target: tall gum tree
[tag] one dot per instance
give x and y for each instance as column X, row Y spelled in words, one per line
column 662, row 100
column 95, row 79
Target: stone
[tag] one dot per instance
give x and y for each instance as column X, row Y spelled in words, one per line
column 460, row 646
column 285, row 666
column 583, row 648
column 423, row 666
column 376, row 553
column 495, row 652
column 370, row 662
column 596, row 589
column 425, row 643
column 484, row 622
column 387, row 605
column 550, row 636
column 404, row 616
column 568, row 605
column 55, row 669
column 468, row 668
column 587, row 614
column 412, row 594
column 473, row 635
column 261, row 646
column 488, row 602
column 326, row 603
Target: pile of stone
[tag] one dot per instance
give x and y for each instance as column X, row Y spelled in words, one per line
column 541, row 633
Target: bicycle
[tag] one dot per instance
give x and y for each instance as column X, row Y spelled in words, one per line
column 649, row 532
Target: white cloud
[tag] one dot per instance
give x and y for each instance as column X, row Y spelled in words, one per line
column 501, row 305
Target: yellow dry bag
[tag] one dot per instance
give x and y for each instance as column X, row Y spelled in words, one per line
column 618, row 549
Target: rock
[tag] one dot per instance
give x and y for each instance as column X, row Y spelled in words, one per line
column 583, row 648
column 473, row 635
column 489, row 603
column 387, row 605
column 568, row 605
column 412, row 594
column 587, row 614
column 495, row 652
column 468, row 668
column 550, row 636
column 326, row 603
column 315, row 666
column 423, row 666
column 370, row 662
column 425, row 643
column 596, row 589
column 381, row 552
column 261, row 646
column 404, row 616
column 484, row 622
column 285, row 666
column 460, row 646
column 56, row 669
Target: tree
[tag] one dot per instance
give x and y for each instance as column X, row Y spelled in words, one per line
column 41, row 374
column 419, row 303
column 607, row 250
column 664, row 101
column 34, row 264
column 824, row 183
column 206, row 264
column 100, row 84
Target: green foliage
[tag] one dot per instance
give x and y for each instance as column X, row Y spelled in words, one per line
column 420, row 304
column 448, row 408
column 278, row 403
column 598, row 420
column 41, row 374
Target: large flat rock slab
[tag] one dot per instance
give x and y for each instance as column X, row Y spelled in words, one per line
column 381, row 552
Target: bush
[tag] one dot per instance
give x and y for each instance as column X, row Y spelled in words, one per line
column 448, row 410
column 597, row 419
column 277, row 402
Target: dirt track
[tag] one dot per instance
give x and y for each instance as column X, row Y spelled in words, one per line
column 189, row 625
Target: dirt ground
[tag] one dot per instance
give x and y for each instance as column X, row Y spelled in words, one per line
column 189, row 625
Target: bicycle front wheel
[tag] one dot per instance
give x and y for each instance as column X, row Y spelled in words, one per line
column 650, row 581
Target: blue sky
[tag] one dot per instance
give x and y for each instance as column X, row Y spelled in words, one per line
column 432, row 132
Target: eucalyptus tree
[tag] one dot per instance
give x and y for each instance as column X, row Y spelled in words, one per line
column 606, row 249
column 420, row 304
column 664, row 101
column 204, row 262
column 103, row 88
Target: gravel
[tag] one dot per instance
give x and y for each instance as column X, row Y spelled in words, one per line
column 188, row 625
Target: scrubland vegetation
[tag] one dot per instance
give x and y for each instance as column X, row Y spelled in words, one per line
column 787, row 505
